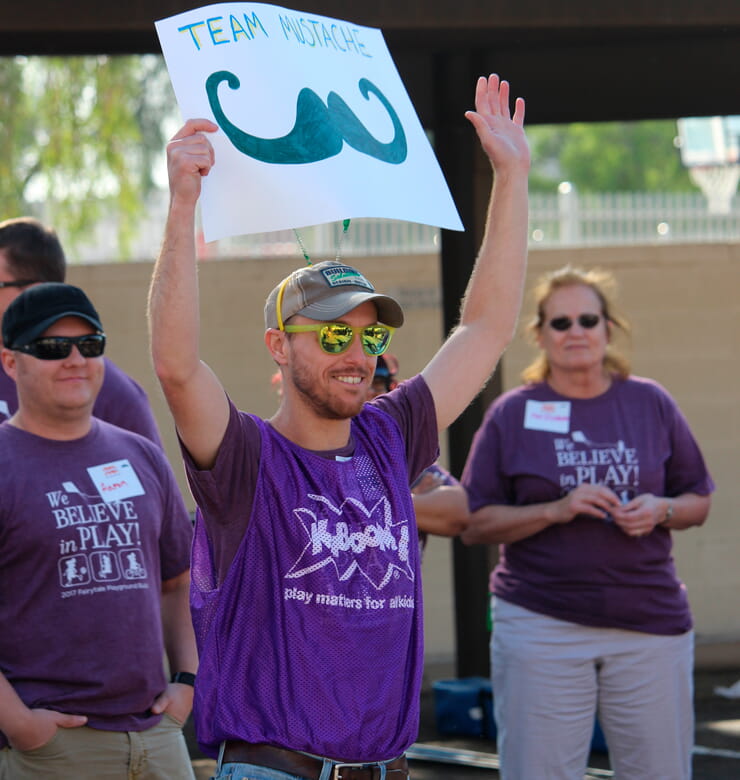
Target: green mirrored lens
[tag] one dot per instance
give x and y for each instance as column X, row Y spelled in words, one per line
column 375, row 339
column 335, row 338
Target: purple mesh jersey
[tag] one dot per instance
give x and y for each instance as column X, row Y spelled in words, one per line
column 314, row 639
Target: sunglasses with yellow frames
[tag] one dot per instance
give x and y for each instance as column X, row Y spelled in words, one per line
column 335, row 337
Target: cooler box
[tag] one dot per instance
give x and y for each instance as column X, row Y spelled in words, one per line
column 464, row 707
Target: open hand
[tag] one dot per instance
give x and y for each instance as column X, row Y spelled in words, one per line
column 502, row 137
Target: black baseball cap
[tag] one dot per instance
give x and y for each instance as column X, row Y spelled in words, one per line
column 39, row 307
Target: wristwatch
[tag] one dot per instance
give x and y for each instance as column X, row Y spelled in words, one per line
column 668, row 514
column 186, row 678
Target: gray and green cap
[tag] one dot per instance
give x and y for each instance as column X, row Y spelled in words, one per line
column 326, row 291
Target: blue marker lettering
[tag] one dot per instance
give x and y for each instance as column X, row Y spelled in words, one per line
column 193, row 32
column 214, row 31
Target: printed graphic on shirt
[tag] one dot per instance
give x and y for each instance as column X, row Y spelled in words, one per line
column 99, row 540
column 353, row 541
column 583, row 461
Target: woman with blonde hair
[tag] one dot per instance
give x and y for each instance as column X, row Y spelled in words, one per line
column 581, row 475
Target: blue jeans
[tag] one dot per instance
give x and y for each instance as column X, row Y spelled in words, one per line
column 251, row 772
column 235, row 771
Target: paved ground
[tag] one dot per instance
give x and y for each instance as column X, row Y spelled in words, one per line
column 716, row 757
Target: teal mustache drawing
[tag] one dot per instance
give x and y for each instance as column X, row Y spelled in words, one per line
column 319, row 131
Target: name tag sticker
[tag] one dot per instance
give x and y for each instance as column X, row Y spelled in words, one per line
column 116, row 480
column 551, row 416
column 4, row 408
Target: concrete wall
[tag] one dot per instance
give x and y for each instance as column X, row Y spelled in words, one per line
column 682, row 302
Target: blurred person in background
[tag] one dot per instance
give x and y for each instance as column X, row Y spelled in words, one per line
column 582, row 475
column 31, row 253
column 440, row 501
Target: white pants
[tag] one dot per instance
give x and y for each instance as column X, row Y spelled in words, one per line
column 550, row 678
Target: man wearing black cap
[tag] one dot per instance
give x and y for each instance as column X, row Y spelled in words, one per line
column 93, row 566
column 306, row 572
column 31, row 253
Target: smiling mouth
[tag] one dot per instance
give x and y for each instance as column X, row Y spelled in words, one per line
column 349, row 380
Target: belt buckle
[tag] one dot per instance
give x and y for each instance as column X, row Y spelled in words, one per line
column 336, row 770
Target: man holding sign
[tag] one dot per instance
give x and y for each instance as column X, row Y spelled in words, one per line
column 307, row 592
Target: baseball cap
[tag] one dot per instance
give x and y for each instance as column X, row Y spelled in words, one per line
column 325, row 291
column 39, row 307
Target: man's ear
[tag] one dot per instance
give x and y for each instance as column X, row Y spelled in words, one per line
column 276, row 342
column 8, row 358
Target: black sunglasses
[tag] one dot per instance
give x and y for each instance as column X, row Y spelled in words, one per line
column 91, row 345
column 587, row 321
column 18, row 283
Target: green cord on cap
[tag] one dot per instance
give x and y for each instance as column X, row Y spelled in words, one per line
column 340, row 242
column 303, row 248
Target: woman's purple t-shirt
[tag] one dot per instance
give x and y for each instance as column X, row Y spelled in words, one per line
column 536, row 446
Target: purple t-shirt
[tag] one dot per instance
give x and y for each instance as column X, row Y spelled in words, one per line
column 306, row 591
column 89, row 530
column 536, row 446
column 121, row 401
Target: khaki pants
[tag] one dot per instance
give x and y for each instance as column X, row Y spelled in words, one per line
column 159, row 753
column 550, row 677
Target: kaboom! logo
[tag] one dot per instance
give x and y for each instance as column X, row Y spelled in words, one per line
column 354, row 540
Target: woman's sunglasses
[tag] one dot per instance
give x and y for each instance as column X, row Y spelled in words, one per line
column 91, row 345
column 335, row 337
column 587, row 321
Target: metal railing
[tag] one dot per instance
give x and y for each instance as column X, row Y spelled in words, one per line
column 603, row 219
column 556, row 220
column 324, row 242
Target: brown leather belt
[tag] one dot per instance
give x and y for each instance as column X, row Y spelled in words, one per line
column 294, row 763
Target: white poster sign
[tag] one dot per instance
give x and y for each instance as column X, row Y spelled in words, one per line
column 315, row 124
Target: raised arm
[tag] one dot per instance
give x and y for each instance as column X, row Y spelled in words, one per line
column 194, row 394
column 492, row 300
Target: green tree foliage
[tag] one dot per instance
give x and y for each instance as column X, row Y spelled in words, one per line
column 608, row 157
column 79, row 138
